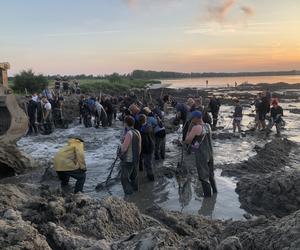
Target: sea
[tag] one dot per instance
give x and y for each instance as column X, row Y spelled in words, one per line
column 214, row 82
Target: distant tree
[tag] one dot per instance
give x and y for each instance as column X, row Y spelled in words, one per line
column 115, row 77
column 29, row 81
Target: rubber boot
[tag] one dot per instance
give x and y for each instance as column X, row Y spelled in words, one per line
column 206, row 189
column 213, row 185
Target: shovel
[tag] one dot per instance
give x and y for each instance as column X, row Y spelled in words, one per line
column 104, row 184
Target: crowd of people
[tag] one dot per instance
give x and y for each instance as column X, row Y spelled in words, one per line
column 143, row 140
column 268, row 108
column 44, row 110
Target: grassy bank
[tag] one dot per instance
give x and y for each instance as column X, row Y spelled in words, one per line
column 94, row 85
column 107, row 85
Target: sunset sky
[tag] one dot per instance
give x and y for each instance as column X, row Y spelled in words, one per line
column 105, row 36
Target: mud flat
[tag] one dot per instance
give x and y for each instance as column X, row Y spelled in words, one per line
column 35, row 214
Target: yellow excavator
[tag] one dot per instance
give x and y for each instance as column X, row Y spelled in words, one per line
column 13, row 120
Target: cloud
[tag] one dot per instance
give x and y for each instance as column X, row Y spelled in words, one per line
column 219, row 12
column 132, row 3
column 248, row 11
column 225, row 11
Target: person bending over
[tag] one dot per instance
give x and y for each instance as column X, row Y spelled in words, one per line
column 70, row 162
column 276, row 117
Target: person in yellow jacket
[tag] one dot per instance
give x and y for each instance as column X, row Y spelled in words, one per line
column 70, row 162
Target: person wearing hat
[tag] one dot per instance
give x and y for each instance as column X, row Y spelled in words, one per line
column 200, row 140
column 70, row 162
column 237, row 115
column 276, row 117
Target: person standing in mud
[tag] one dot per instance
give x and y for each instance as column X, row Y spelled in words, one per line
column 32, row 108
column 70, row 162
column 107, row 104
column 200, row 140
column 263, row 110
column 237, row 116
column 214, row 108
column 147, row 136
column 135, row 111
column 256, row 104
column 100, row 115
column 129, row 154
column 86, row 113
column 159, row 132
column 182, row 115
column 276, row 117
column 45, row 115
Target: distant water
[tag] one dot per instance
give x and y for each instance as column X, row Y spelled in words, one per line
column 224, row 81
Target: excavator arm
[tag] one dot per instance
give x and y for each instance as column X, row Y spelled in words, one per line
column 13, row 120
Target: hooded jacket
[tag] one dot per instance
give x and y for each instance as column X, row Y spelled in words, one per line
column 70, row 157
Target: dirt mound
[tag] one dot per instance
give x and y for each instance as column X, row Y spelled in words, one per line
column 273, row 194
column 12, row 161
column 273, row 157
column 53, row 221
column 263, row 233
column 190, row 226
column 15, row 233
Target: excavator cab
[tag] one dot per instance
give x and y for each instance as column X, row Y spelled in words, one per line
column 13, row 120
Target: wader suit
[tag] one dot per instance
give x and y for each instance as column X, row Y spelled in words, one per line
column 129, row 164
column 202, row 146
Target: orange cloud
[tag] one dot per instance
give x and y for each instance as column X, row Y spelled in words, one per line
column 219, row 12
column 248, row 11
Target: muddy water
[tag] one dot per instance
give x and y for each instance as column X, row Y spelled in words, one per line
column 171, row 193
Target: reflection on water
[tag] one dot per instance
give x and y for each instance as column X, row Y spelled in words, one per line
column 183, row 194
column 223, row 81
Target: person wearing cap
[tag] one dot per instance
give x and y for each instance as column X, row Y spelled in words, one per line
column 70, row 162
column 276, row 117
column 200, row 140
column 183, row 111
column 237, row 116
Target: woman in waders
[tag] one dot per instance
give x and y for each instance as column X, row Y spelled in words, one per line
column 199, row 138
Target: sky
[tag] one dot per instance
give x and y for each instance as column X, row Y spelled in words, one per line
column 106, row 36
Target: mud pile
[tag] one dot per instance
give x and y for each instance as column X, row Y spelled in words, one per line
column 273, row 157
column 12, row 161
column 273, row 194
column 52, row 221
column 263, row 233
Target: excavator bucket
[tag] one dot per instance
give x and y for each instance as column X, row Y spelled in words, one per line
column 13, row 120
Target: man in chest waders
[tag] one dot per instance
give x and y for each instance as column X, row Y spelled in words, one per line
column 130, row 157
column 199, row 138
